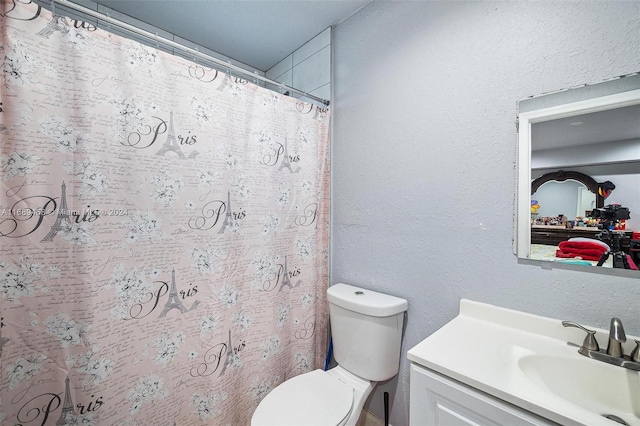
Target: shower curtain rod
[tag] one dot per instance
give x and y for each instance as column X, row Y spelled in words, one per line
column 193, row 52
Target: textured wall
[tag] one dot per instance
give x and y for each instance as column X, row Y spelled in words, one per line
column 424, row 152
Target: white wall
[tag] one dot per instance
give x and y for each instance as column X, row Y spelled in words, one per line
column 307, row 68
column 424, row 152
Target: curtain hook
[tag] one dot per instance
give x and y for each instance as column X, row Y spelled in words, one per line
column 195, row 55
column 53, row 8
column 108, row 21
column 229, row 68
column 157, row 41
column 255, row 78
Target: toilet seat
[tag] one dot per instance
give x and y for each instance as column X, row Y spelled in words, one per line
column 311, row 399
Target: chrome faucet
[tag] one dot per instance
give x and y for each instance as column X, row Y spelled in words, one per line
column 614, row 353
column 635, row 354
column 616, row 338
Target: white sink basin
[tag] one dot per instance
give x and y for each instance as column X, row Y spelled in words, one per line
column 593, row 385
column 533, row 363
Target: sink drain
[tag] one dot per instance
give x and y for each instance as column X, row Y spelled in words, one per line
column 614, row 418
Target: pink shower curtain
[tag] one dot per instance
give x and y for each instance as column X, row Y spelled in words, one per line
column 163, row 231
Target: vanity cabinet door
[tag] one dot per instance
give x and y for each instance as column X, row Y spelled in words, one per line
column 436, row 400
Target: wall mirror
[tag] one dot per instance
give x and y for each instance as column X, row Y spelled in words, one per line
column 579, row 167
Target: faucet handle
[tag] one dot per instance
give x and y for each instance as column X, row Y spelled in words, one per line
column 590, row 341
column 635, row 354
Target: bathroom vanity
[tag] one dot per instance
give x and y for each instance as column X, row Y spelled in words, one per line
column 492, row 365
column 439, row 400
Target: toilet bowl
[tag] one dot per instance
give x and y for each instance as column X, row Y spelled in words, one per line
column 366, row 331
column 317, row 398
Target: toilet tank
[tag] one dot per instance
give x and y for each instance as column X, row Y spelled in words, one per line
column 366, row 328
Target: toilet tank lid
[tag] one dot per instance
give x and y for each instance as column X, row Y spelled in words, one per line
column 366, row 302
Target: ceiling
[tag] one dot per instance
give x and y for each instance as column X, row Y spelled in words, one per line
column 259, row 33
column 599, row 127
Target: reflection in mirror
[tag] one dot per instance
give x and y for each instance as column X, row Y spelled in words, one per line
column 566, row 206
column 582, row 188
column 562, row 199
column 571, row 146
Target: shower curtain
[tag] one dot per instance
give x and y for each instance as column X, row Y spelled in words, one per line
column 163, row 232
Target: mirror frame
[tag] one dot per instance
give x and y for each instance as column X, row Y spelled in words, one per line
column 561, row 176
column 522, row 237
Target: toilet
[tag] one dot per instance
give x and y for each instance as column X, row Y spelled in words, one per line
column 366, row 328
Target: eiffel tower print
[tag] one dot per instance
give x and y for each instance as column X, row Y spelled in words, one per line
column 62, row 221
column 174, row 301
column 286, row 281
column 171, row 144
column 68, row 415
column 227, row 217
column 229, row 359
column 3, row 340
column 226, row 81
column 286, row 164
column 57, row 23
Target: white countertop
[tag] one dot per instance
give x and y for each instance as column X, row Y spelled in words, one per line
column 481, row 348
